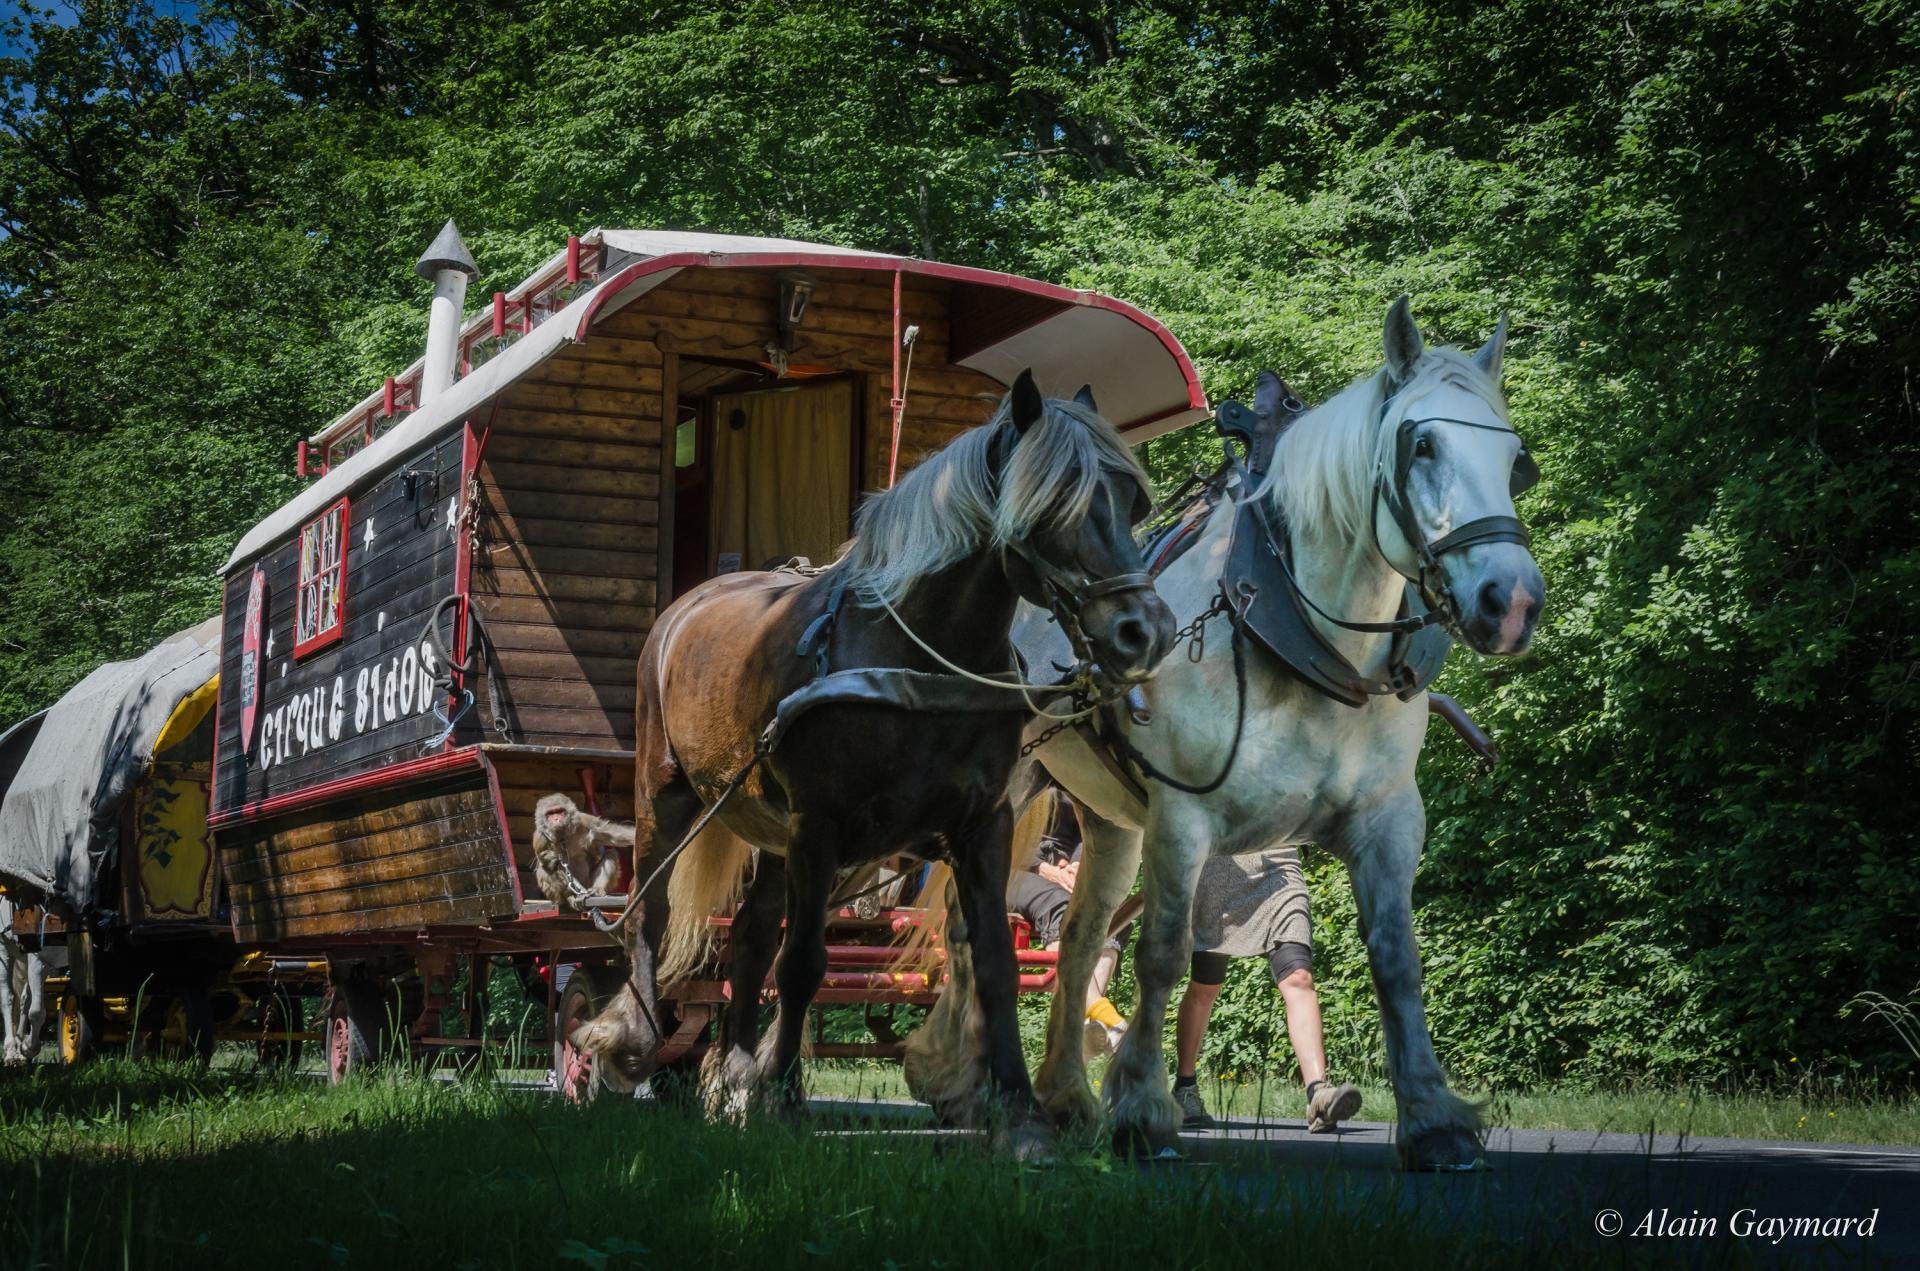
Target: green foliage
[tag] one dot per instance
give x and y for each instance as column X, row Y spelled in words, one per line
column 1701, row 217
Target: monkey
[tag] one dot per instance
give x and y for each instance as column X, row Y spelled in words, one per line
column 571, row 846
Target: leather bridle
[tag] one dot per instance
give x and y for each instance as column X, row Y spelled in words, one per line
column 1485, row 529
column 1428, row 576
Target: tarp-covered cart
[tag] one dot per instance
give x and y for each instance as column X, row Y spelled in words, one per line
column 104, row 843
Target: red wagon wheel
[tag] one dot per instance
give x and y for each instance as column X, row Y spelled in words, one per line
column 574, row 1072
column 356, row 1031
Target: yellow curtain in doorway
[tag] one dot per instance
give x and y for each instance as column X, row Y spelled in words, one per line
column 783, row 482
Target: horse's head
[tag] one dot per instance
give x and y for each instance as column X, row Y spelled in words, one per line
column 1447, row 470
column 1070, row 495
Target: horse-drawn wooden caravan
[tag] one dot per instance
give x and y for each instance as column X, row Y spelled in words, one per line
column 443, row 626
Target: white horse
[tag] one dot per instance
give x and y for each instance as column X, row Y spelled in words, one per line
column 23, row 1002
column 1421, row 450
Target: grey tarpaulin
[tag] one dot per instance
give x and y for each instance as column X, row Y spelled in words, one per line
column 60, row 818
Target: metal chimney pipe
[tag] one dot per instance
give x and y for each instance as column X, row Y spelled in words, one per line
column 447, row 265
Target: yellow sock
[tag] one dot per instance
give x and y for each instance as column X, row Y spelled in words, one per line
column 1102, row 1012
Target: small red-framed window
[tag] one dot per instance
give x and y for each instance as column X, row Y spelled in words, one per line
column 320, row 616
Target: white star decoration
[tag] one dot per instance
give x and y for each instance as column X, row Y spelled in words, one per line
column 283, row 670
column 269, row 642
column 368, row 539
column 453, row 514
column 381, row 623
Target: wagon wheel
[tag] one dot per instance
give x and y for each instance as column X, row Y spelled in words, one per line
column 357, row 1032
column 280, row 1012
column 82, row 1020
column 575, row 1074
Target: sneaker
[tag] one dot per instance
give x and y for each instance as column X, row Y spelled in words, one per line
column 1102, row 1039
column 1193, row 1111
column 1329, row 1105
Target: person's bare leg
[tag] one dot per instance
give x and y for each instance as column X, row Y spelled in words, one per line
column 1327, row 1104
column 1190, row 1026
column 1102, row 975
column 1303, row 1024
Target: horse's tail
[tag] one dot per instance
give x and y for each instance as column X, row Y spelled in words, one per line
column 706, row 883
column 945, row 1060
column 919, row 945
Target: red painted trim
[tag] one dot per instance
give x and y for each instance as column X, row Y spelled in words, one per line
column 499, row 314
column 386, row 396
column 332, row 636
column 898, row 403
column 300, row 460
column 379, row 778
column 1196, row 396
column 573, row 259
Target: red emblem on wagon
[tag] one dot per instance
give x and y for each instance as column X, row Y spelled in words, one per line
column 250, row 659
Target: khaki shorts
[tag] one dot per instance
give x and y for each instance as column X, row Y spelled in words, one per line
column 1245, row 906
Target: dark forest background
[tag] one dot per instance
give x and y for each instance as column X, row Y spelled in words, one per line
column 1704, row 219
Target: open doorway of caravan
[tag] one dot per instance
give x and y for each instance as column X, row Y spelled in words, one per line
column 764, row 470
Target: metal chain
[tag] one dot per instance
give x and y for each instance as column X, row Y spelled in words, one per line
column 1194, row 633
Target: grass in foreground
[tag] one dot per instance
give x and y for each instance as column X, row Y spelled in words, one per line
column 145, row 1165
column 1807, row 1117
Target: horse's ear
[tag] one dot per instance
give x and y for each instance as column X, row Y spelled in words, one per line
column 1027, row 405
column 1494, row 350
column 1270, row 393
column 1403, row 343
column 1085, row 398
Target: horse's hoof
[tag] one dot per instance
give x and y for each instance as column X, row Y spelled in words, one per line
column 1029, row 1143
column 1073, row 1111
column 1445, row 1149
column 1138, row 1143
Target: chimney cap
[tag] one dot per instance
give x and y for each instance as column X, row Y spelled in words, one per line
column 449, row 251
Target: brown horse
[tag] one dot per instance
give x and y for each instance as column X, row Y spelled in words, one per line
column 1038, row 504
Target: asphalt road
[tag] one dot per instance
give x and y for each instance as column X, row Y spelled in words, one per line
column 1706, row 1202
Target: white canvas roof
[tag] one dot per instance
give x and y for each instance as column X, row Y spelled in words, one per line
column 1139, row 373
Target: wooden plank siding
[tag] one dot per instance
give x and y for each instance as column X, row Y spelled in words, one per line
column 391, row 859
column 565, row 573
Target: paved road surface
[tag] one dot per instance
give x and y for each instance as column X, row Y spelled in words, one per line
column 1567, row 1190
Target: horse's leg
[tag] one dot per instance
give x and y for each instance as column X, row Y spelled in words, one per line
column 10, row 964
column 36, row 1005
column 944, row 1063
column 1438, row 1129
column 1107, row 869
column 626, row 1032
column 980, row 871
column 728, row 1074
column 1146, row 1120
column 812, row 860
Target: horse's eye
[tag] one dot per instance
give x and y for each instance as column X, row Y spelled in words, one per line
column 1423, row 447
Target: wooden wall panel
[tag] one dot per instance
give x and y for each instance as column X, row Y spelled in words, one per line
column 566, row 572
column 393, row 859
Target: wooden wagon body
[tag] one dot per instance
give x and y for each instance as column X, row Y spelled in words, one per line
column 444, row 624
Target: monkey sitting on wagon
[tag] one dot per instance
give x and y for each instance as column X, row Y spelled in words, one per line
column 575, row 854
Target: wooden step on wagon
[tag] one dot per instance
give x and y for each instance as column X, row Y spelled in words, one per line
column 443, row 625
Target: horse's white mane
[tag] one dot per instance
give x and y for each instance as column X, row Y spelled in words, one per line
column 1324, row 464
column 950, row 507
